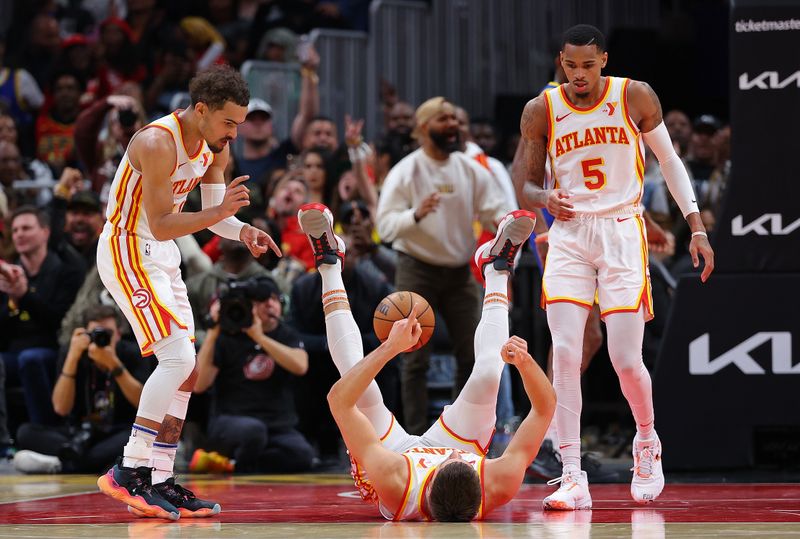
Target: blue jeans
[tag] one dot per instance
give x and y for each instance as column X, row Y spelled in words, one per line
column 35, row 369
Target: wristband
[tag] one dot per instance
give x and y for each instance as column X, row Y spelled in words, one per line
column 699, row 233
column 117, row 371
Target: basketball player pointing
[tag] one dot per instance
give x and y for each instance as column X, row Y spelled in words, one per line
column 592, row 128
column 139, row 264
column 442, row 474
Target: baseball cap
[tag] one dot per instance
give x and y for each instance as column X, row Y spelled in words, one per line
column 86, row 201
column 707, row 124
column 257, row 104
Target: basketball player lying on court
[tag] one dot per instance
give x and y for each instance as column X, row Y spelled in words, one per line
column 442, row 475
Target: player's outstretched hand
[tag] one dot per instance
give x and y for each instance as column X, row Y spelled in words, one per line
column 558, row 206
column 258, row 241
column 406, row 332
column 515, row 351
column 699, row 244
column 236, row 196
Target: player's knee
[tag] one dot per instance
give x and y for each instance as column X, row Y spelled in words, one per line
column 177, row 357
column 566, row 357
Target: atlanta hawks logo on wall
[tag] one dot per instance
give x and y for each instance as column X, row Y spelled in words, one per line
column 141, row 298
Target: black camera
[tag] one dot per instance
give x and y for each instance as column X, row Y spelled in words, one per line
column 100, row 336
column 127, row 117
column 236, row 302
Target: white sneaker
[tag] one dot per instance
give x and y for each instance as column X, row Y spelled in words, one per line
column 27, row 461
column 572, row 494
column 648, row 477
column 316, row 221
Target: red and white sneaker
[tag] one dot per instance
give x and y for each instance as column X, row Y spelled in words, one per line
column 514, row 230
column 648, row 475
column 316, row 220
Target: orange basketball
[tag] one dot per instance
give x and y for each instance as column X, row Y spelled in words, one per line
column 397, row 306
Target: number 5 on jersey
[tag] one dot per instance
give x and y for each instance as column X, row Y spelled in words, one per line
column 595, row 177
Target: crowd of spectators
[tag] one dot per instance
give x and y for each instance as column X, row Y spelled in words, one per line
column 79, row 78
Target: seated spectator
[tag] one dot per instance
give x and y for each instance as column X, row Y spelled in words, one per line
column 76, row 217
column 235, row 263
column 252, row 370
column 23, row 182
column 97, row 394
column 357, row 224
column 35, row 292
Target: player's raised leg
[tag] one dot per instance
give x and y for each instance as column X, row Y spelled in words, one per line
column 344, row 336
column 472, row 416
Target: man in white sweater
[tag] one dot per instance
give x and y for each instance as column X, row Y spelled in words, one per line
column 426, row 209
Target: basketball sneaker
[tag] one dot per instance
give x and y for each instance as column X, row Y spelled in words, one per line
column 514, row 230
column 133, row 486
column 648, row 477
column 316, row 220
column 572, row 494
column 189, row 505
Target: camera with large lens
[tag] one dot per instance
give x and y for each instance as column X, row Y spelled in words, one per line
column 236, row 302
column 100, row 336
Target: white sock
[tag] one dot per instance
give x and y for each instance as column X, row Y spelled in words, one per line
column 139, row 448
column 163, row 461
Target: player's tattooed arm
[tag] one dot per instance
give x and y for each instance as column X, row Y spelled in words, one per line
column 644, row 106
column 528, row 168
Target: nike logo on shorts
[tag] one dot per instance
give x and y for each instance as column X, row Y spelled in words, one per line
column 619, row 219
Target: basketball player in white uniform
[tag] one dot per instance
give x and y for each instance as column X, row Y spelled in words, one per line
column 443, row 474
column 592, row 128
column 138, row 263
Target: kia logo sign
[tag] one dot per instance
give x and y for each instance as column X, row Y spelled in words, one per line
column 701, row 363
column 769, row 224
column 768, row 80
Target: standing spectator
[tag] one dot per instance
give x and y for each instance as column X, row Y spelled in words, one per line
column 97, row 391
column 55, row 126
column 77, row 220
column 99, row 151
column 426, row 209
column 20, row 97
column 258, row 154
column 290, row 193
column 40, row 52
column 680, row 130
column 35, row 292
column 252, row 372
column 120, row 59
column 483, row 134
column 397, row 142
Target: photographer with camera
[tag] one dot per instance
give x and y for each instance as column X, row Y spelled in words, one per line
column 97, row 392
column 123, row 115
column 251, row 357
